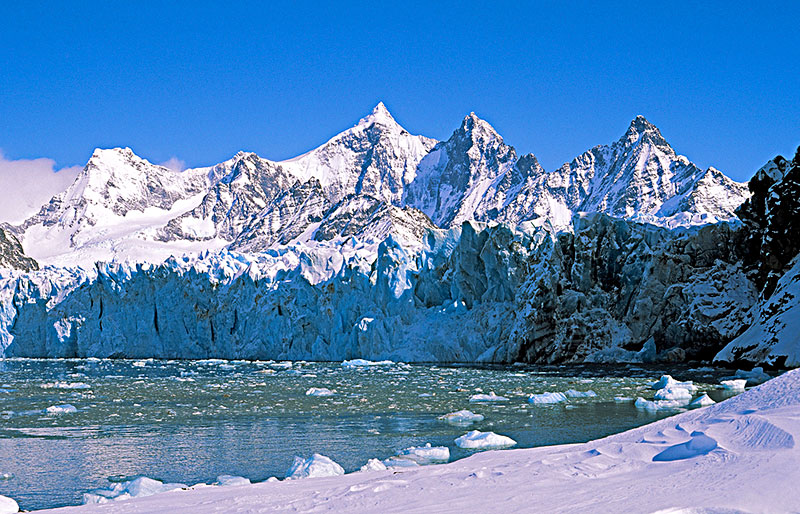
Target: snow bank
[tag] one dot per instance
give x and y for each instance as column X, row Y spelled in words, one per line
column 8, row 506
column 231, row 481
column 315, row 466
column 547, row 398
column 484, row 441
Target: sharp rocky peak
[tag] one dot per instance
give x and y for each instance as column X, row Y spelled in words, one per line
column 380, row 115
column 642, row 130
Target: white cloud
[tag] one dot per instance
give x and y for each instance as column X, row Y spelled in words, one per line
column 27, row 184
column 174, row 164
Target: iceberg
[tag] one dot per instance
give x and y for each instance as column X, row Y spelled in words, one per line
column 361, row 363
column 736, row 385
column 572, row 393
column 657, row 405
column 8, row 505
column 423, row 455
column 462, row 417
column 667, row 382
column 673, row 393
column 547, row 398
column 373, row 465
column 477, row 440
column 702, row 401
column 315, row 466
column 319, row 391
column 491, row 397
column 61, row 409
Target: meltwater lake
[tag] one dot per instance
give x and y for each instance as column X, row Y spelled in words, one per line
column 191, row 421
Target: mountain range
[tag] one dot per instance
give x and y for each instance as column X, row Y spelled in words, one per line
column 369, row 182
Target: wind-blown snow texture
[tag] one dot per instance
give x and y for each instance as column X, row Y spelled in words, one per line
column 337, row 255
column 740, row 455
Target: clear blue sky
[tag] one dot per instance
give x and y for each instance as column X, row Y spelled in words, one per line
column 555, row 78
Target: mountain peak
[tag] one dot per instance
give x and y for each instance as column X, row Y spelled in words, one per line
column 474, row 125
column 379, row 116
column 640, row 128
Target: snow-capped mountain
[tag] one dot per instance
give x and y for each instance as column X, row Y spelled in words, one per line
column 370, row 181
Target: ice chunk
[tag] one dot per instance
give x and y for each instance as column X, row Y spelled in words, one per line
column 484, row 440
column 491, row 397
column 673, row 393
column 754, row 377
column 547, row 398
column 231, row 480
column 358, row 363
column 315, row 466
column 702, row 401
column 657, row 405
column 136, row 488
column 8, row 506
column 667, row 381
column 65, row 408
column 424, row 455
column 572, row 393
column 319, row 391
column 699, row 444
column 461, row 417
column 734, row 385
column 373, row 465
column 623, row 399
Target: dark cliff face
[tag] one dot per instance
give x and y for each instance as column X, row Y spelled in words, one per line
column 771, row 219
column 12, row 255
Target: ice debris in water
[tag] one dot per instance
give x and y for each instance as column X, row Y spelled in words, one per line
column 623, row 399
column 358, row 363
column 420, row 455
column 667, row 382
column 572, row 393
column 231, row 481
column 702, row 401
column 315, row 466
column 319, row 391
column 673, row 393
column 734, row 385
column 491, row 397
column 547, row 398
column 484, row 440
column 61, row 409
column 461, row 417
column 65, row 385
column 136, row 488
column 8, row 506
column 373, row 465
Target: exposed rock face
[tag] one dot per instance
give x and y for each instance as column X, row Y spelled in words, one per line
column 772, row 251
column 12, row 256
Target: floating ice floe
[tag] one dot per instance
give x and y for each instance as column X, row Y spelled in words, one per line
column 667, row 382
column 572, row 393
column 281, row 365
column 8, row 505
column 673, row 393
column 421, row 455
column 319, row 391
column 702, row 401
column 231, row 481
column 315, row 466
column 65, row 408
column 359, row 363
column 754, row 377
column 491, row 397
column 623, row 399
column 65, row 385
column 734, row 385
column 657, row 405
column 373, row 465
column 461, row 417
column 484, row 440
column 136, row 488
column 547, row 398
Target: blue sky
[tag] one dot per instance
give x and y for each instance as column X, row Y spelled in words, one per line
column 200, row 82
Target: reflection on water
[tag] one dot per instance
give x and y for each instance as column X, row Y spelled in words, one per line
column 190, row 421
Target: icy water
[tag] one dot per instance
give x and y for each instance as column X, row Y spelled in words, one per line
column 190, row 421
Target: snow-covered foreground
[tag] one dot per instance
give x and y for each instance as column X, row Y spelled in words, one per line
column 735, row 456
